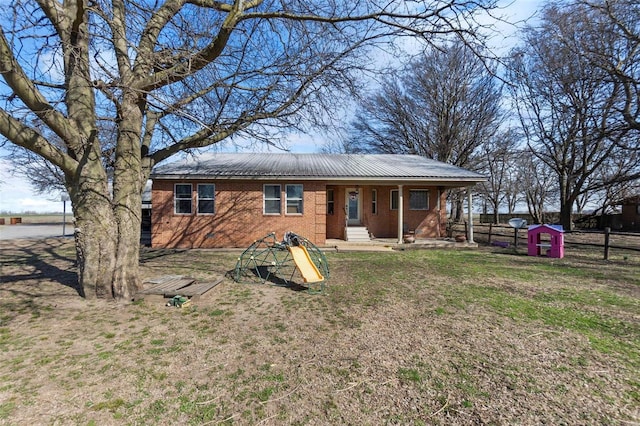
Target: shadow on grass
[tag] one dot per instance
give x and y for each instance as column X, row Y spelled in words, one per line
column 149, row 255
column 261, row 275
column 37, row 260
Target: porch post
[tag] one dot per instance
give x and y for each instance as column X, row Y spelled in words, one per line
column 470, row 215
column 400, row 215
column 438, row 211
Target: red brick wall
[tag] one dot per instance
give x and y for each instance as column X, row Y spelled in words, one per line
column 238, row 218
column 335, row 222
column 384, row 224
column 424, row 222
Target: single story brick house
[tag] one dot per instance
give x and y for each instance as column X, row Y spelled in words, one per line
column 230, row 200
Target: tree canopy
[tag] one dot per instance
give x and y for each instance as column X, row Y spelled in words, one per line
column 572, row 111
column 104, row 90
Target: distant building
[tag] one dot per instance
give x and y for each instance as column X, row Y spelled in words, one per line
column 631, row 213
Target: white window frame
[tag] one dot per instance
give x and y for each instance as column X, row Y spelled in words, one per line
column 374, row 201
column 175, row 199
column 391, row 199
column 265, row 199
column 426, row 191
column 212, row 199
column 300, row 199
column 331, row 201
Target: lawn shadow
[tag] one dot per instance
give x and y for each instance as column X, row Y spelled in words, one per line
column 261, row 275
column 507, row 251
column 149, row 255
column 36, row 260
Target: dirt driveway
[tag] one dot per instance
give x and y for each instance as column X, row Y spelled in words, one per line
column 34, row 231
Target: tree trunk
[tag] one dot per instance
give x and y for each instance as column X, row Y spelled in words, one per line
column 96, row 237
column 459, row 208
column 107, row 243
column 566, row 201
column 565, row 215
column 126, row 281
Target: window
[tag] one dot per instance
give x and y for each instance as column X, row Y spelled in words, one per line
column 374, row 201
column 418, row 199
column 206, row 198
column 182, row 198
column 394, row 199
column 272, row 199
column 294, row 199
column 330, row 201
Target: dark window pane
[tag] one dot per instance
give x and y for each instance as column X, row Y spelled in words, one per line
column 272, row 191
column 206, row 191
column 418, row 200
column 183, row 191
column 205, row 206
column 183, row 206
column 272, row 206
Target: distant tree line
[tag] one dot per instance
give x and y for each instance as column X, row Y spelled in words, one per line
column 556, row 122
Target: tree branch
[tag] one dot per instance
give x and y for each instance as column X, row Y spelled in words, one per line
column 53, row 10
column 24, row 88
column 196, row 62
column 26, row 137
column 119, row 38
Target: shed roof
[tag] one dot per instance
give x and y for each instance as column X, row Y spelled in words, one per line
column 545, row 229
column 325, row 167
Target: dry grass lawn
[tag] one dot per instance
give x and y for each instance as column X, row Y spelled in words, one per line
column 484, row 336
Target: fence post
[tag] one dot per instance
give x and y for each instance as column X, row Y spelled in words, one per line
column 607, row 231
column 490, row 228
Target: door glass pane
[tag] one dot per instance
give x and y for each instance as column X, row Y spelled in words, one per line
column 353, row 206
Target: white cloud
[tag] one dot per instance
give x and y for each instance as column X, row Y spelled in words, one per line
column 17, row 196
column 301, row 143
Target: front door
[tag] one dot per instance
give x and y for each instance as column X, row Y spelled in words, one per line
column 353, row 205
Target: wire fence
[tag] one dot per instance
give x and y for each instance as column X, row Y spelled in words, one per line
column 503, row 235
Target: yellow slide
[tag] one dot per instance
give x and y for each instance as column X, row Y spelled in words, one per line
column 308, row 270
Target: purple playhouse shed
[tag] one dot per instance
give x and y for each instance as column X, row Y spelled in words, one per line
column 554, row 246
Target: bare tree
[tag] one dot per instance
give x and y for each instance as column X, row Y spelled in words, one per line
column 568, row 107
column 537, row 184
column 498, row 159
column 616, row 49
column 443, row 105
column 172, row 77
column 606, row 199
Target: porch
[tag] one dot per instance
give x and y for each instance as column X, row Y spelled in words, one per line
column 386, row 214
column 389, row 244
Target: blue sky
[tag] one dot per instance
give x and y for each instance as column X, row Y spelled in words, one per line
column 16, row 195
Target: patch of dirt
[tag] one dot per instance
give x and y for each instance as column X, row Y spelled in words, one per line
column 404, row 353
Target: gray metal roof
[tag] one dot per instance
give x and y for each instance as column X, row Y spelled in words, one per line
column 325, row 167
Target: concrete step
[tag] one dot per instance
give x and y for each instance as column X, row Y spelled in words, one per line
column 357, row 234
